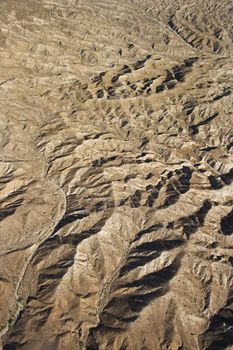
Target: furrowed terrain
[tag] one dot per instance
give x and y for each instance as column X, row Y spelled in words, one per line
column 116, row 175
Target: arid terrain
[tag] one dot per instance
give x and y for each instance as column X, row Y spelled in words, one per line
column 116, row 175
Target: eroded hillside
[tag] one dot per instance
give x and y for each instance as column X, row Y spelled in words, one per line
column 116, row 175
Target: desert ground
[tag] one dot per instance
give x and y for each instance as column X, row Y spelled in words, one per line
column 116, row 175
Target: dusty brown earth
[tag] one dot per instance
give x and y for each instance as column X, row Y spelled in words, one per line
column 116, row 175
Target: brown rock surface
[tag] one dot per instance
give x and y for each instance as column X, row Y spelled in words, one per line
column 116, row 175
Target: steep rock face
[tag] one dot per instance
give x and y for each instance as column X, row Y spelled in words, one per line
column 116, row 172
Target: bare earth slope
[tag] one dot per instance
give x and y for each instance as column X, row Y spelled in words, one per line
column 116, row 175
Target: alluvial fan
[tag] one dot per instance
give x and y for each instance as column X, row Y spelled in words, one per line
column 116, row 175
